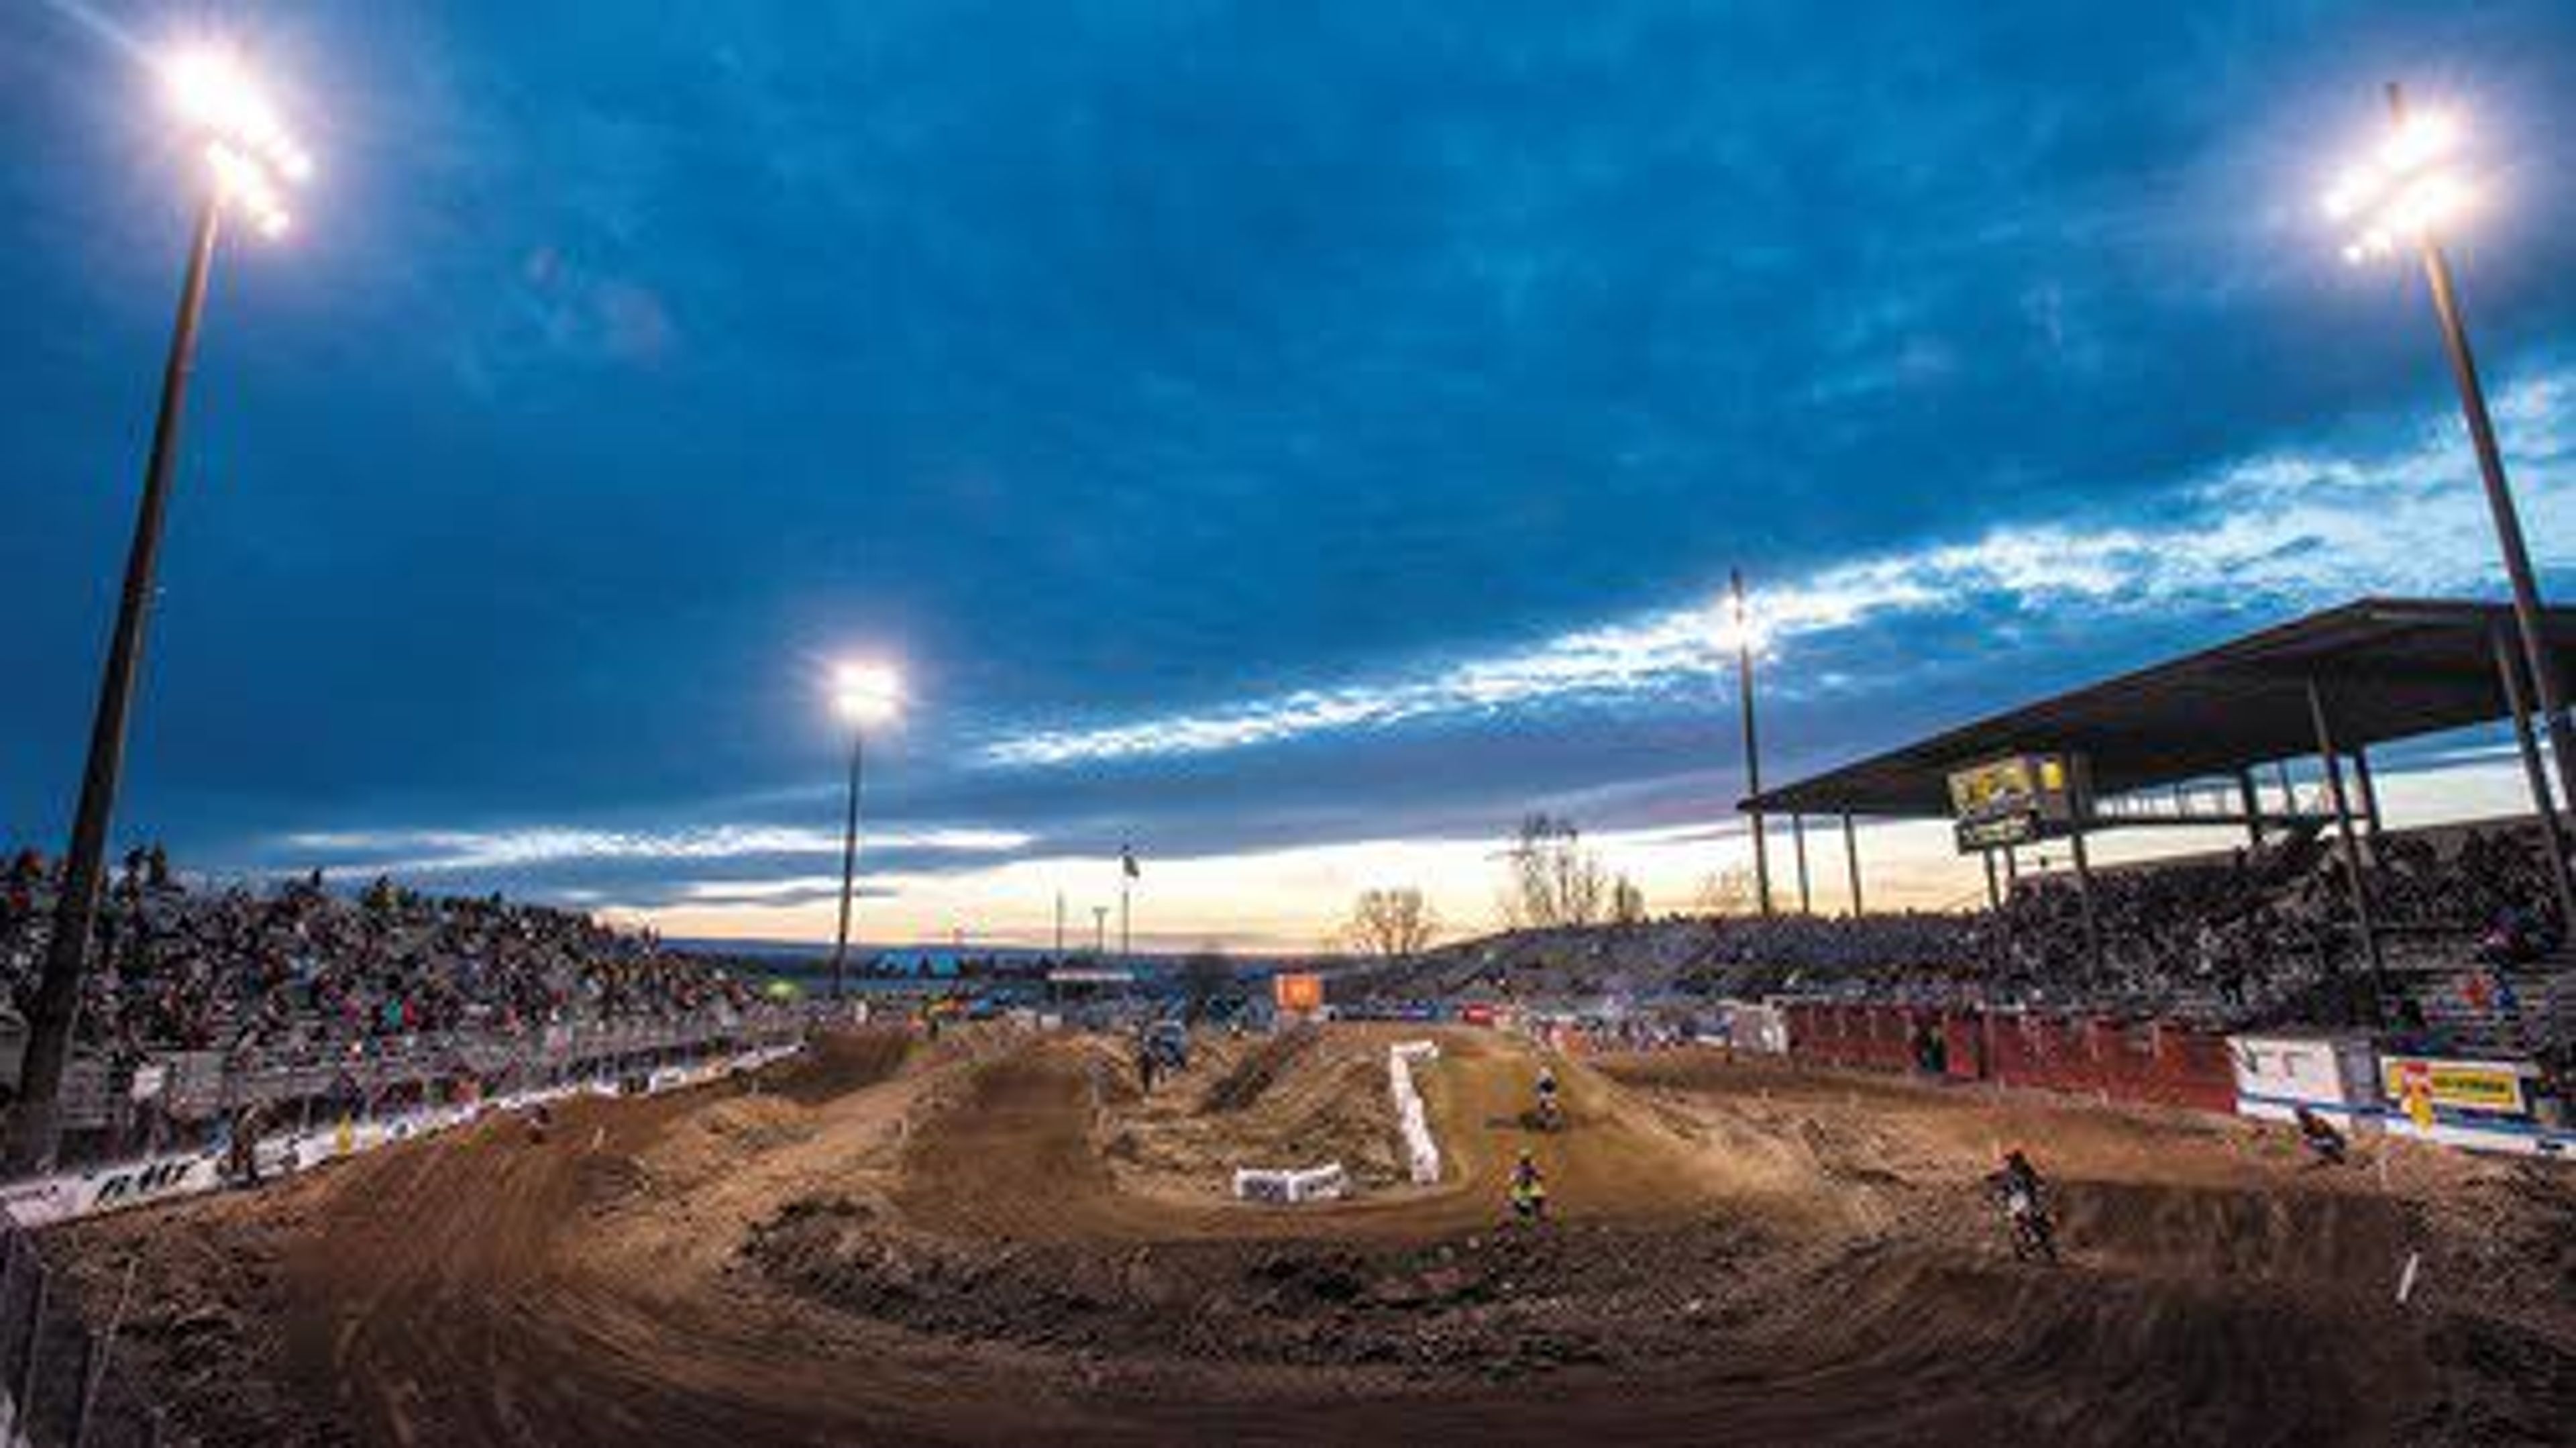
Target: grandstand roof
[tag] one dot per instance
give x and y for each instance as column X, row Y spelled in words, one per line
column 2388, row 668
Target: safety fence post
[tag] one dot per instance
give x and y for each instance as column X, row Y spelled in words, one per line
column 22, row 1384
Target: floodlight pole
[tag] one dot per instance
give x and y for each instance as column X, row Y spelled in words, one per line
column 849, row 866
column 2499, row 491
column 35, row 1123
column 1752, row 745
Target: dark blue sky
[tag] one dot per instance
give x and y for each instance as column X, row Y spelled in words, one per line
column 1252, row 426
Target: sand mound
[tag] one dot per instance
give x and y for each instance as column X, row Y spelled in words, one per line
column 1254, row 1072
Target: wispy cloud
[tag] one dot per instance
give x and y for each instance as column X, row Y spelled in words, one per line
column 430, row 851
column 2292, row 526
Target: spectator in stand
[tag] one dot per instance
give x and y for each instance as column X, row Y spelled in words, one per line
column 181, row 969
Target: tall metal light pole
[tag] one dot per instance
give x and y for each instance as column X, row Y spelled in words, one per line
column 1127, row 873
column 866, row 695
column 2403, row 194
column 1742, row 624
column 247, row 154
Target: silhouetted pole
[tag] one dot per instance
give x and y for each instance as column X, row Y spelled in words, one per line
column 849, row 870
column 2553, row 845
column 1752, row 743
column 53, row 1018
column 2354, row 875
column 2507, row 517
column 1798, row 843
column 1851, row 862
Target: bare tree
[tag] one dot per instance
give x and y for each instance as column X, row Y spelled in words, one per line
column 1391, row 924
column 1627, row 902
column 1728, row 892
column 1553, row 880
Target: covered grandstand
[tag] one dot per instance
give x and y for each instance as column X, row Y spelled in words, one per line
column 2269, row 733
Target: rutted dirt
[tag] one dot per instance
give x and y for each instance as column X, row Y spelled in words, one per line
column 1001, row 1241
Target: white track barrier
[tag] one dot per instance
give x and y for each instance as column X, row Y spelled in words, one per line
column 1422, row 1154
column 1290, row 1186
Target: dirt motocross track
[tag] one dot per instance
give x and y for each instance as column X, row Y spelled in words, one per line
column 999, row 1239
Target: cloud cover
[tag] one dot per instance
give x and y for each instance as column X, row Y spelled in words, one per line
column 1256, row 427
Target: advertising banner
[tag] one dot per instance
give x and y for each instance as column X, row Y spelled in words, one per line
column 1300, row 992
column 2015, row 799
column 2492, row 1088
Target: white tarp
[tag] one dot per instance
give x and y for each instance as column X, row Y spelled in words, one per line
column 1422, row 1153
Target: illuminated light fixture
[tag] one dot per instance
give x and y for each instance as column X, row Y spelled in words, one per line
column 866, row 694
column 252, row 157
column 2403, row 192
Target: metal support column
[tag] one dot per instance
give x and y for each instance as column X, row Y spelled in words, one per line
column 1798, row 843
column 2369, row 790
column 2352, row 868
column 1851, row 862
column 1994, row 896
column 2252, row 802
column 2534, row 776
column 2084, row 892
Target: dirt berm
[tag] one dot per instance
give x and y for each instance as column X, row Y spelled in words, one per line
column 895, row 1244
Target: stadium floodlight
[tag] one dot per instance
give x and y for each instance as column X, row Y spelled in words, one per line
column 2404, row 190
column 2402, row 195
column 247, row 149
column 251, row 161
column 865, row 696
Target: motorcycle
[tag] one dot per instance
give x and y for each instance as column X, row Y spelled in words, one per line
column 1547, row 1115
column 2034, row 1236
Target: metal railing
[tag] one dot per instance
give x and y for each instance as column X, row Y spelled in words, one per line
column 184, row 1094
column 65, row 1385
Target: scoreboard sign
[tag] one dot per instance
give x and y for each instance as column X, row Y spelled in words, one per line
column 2015, row 799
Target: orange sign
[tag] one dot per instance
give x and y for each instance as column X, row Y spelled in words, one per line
column 1297, row 991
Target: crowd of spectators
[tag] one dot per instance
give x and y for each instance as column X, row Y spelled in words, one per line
column 2230, row 937
column 183, row 968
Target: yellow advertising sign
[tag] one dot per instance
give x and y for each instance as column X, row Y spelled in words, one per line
column 2466, row 1085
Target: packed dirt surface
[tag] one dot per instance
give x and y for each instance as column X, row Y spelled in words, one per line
column 1001, row 1238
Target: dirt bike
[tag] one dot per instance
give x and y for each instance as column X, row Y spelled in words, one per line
column 2034, row 1237
column 1547, row 1115
column 1529, row 1204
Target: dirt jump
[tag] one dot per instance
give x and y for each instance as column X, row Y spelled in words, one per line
column 1005, row 1238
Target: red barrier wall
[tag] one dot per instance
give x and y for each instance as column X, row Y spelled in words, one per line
column 2160, row 1063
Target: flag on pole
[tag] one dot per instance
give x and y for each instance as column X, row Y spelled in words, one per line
column 1127, row 861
